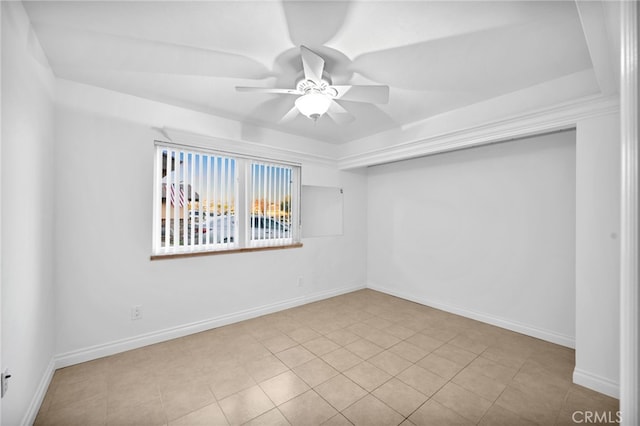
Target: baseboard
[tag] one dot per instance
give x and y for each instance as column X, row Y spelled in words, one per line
column 117, row 346
column 597, row 383
column 536, row 332
column 30, row 416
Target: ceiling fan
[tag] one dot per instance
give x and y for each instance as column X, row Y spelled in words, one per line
column 317, row 95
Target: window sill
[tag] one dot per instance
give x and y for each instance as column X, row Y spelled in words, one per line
column 216, row 252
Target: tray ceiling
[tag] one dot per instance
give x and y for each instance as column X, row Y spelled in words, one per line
column 434, row 56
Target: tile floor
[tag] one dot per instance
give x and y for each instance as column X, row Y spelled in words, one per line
column 364, row 358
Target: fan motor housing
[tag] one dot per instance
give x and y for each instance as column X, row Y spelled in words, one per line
column 324, row 86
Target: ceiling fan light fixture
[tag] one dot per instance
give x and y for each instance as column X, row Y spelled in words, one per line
column 316, row 94
column 313, row 105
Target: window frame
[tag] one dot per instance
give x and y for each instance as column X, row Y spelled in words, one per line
column 243, row 211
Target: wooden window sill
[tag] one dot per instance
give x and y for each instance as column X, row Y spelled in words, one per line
column 216, row 252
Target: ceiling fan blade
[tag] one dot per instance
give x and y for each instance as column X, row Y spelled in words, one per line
column 338, row 114
column 90, row 50
column 269, row 112
column 293, row 113
column 471, row 61
column 312, row 64
column 314, row 23
column 369, row 94
column 268, row 90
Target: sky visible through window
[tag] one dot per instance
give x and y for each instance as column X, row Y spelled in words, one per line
column 209, row 183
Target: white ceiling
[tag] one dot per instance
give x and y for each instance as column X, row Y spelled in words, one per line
column 435, row 56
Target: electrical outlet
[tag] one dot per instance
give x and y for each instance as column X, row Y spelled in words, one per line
column 5, row 382
column 136, row 312
column 300, row 281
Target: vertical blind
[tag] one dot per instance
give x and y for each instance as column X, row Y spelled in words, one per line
column 270, row 193
column 206, row 201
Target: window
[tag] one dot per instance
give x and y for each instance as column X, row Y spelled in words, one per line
column 207, row 201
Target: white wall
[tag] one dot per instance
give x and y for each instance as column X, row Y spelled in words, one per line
column 598, row 253
column 486, row 232
column 104, row 169
column 27, row 214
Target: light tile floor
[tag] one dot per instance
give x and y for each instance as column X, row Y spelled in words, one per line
column 364, row 358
